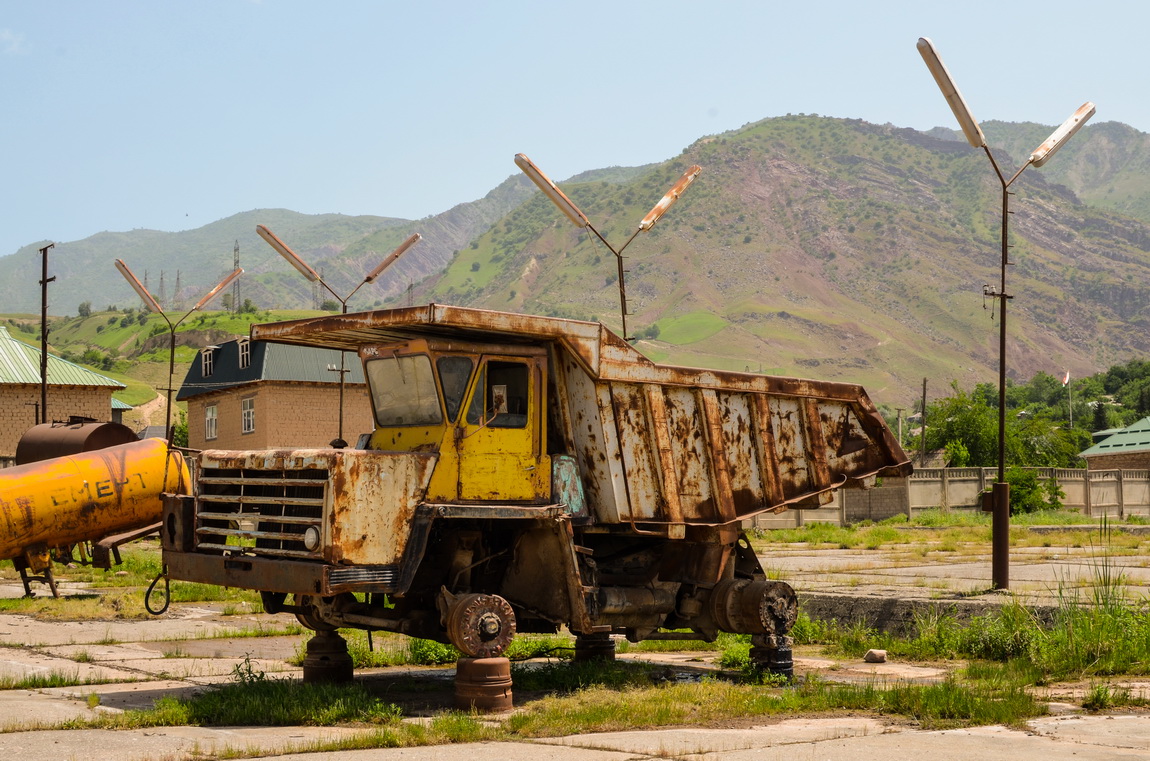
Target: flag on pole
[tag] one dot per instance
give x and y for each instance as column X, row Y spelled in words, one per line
column 1066, row 378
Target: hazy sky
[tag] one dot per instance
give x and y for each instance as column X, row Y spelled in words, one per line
column 169, row 115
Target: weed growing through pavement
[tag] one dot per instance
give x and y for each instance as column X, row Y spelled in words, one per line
column 54, row 679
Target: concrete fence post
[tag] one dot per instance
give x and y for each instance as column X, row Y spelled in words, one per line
column 1088, row 495
column 1121, row 496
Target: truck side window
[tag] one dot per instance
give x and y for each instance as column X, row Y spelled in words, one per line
column 454, row 372
column 501, row 392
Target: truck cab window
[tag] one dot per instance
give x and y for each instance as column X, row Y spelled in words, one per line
column 454, row 372
column 403, row 391
column 500, row 397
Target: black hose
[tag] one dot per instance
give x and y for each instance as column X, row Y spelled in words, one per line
column 167, row 594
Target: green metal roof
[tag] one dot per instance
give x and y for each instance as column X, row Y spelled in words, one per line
column 20, row 364
column 1135, row 438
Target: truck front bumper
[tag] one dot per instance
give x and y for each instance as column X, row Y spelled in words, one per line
column 279, row 575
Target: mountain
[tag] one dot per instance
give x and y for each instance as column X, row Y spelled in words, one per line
column 835, row 249
column 1106, row 164
column 811, row 246
column 343, row 248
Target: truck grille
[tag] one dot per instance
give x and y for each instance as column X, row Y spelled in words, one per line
column 260, row 512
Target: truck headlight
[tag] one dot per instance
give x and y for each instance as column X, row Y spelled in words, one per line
column 311, row 539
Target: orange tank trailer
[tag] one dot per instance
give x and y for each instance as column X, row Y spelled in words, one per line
column 54, row 504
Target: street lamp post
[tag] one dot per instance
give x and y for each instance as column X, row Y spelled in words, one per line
column 579, row 219
column 154, row 306
column 1000, row 551
column 314, row 277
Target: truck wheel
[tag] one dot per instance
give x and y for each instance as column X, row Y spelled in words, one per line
column 480, row 626
column 758, row 606
column 310, row 613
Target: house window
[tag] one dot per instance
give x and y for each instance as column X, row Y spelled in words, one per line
column 248, row 414
column 207, row 362
column 210, row 417
column 245, row 354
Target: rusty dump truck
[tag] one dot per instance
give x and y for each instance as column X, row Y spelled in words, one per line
column 525, row 474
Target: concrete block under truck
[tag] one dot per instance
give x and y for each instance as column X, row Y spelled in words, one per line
column 526, row 474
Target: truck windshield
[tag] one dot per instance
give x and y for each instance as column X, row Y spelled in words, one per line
column 403, row 391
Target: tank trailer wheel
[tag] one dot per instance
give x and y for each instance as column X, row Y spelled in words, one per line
column 480, row 626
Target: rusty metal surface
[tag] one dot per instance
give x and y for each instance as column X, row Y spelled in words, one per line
column 68, row 500
column 361, row 503
column 49, row 440
column 269, row 575
column 479, row 625
column 672, row 195
column 667, row 454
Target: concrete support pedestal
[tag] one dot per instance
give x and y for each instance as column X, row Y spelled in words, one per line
column 327, row 659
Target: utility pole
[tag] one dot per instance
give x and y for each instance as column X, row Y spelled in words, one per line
column 44, row 280
column 236, row 282
column 899, row 410
column 922, row 440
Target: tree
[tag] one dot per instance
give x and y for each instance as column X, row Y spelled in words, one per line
column 967, row 421
column 966, row 426
column 180, row 431
column 1100, row 423
column 85, row 309
column 329, row 305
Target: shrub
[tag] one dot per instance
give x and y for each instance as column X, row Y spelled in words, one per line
column 1026, row 495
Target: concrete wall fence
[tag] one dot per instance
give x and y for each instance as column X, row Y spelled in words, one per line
column 1094, row 493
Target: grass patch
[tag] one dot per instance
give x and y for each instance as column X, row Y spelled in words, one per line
column 1105, row 697
column 818, row 534
column 598, row 709
column 572, row 676
column 602, row 697
column 1103, row 634
column 938, row 518
column 54, row 679
column 690, row 328
column 119, row 605
column 257, row 702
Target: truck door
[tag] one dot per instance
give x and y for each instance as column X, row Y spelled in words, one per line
column 498, row 439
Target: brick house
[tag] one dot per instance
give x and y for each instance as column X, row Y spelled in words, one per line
column 72, row 391
column 1127, row 449
column 254, row 395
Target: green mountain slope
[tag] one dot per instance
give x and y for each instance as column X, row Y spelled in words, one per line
column 1107, row 164
column 342, row 248
column 834, row 249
